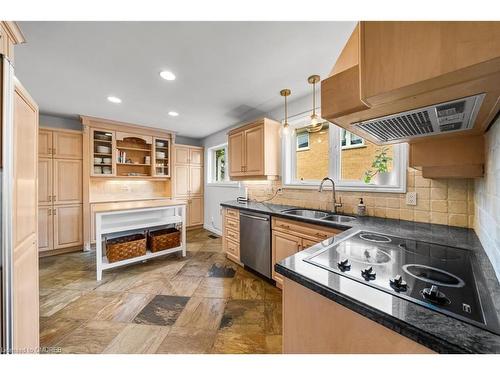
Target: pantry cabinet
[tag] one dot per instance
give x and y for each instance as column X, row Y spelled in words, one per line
column 189, row 181
column 60, row 190
column 254, row 150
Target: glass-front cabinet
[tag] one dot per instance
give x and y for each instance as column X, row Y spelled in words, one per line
column 102, row 158
column 161, row 156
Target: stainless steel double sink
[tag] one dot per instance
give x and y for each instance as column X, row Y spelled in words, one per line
column 318, row 215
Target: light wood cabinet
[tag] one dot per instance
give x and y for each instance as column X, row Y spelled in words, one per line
column 195, row 211
column 67, row 181
column 189, row 181
column 45, row 143
column 254, row 150
column 67, row 226
column 60, row 187
column 231, row 234
column 45, row 229
column 283, row 246
column 45, row 179
column 66, row 145
column 24, row 220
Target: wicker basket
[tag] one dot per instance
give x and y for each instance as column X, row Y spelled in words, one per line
column 125, row 247
column 164, row 239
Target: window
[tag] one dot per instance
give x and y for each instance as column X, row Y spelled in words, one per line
column 217, row 167
column 303, row 141
column 354, row 163
column 349, row 140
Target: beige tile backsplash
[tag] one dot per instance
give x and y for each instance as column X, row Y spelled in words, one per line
column 443, row 201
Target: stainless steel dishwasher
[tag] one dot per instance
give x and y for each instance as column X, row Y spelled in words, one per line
column 255, row 242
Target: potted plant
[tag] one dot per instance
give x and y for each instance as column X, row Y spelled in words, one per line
column 379, row 168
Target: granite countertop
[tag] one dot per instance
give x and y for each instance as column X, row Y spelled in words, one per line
column 436, row 331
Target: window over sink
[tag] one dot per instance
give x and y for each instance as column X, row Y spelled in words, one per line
column 354, row 163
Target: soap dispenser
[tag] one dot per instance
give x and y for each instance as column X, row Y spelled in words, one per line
column 361, row 208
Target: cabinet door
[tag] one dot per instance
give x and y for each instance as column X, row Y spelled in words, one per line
column 283, row 246
column 45, row 173
column 181, row 155
column 195, row 211
column 25, row 222
column 195, row 180
column 254, row 151
column 67, row 181
column 68, row 226
column 45, row 143
column 67, row 145
column 236, row 149
column 196, row 156
column 181, row 180
column 45, row 229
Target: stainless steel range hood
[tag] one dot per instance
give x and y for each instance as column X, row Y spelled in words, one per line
column 449, row 117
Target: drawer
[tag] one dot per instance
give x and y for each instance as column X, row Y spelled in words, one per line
column 232, row 235
column 233, row 214
column 233, row 248
column 299, row 228
column 232, row 224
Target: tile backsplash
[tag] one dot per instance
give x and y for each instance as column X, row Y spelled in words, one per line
column 440, row 201
column 487, row 198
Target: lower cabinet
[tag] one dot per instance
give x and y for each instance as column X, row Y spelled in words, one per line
column 283, row 246
column 59, row 227
column 231, row 234
column 195, row 211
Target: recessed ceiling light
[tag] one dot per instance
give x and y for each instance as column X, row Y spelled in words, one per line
column 114, row 99
column 169, row 76
column 173, row 113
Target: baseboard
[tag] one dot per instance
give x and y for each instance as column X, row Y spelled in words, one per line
column 212, row 229
column 48, row 253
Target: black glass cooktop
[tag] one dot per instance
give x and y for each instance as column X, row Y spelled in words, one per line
column 435, row 276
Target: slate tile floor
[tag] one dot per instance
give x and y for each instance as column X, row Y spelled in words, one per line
column 203, row 303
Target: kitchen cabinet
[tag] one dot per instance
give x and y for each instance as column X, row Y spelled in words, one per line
column 254, row 150
column 60, row 190
column 161, row 157
column 67, row 145
column 327, row 327
column 23, row 217
column 45, row 229
column 188, row 181
column 45, row 143
column 283, row 245
column 67, row 184
column 67, row 226
column 231, row 234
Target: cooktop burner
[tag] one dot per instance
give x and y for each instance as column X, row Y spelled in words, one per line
column 373, row 237
column 438, row 277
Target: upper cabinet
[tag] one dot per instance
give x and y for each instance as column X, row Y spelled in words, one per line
column 418, row 82
column 60, row 144
column 254, row 150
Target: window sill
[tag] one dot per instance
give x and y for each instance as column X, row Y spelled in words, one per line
column 352, row 147
column 347, row 187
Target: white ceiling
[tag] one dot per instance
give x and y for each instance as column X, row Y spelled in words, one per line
column 226, row 72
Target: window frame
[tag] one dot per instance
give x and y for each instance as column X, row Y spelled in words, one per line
column 211, row 166
column 348, row 141
column 289, row 163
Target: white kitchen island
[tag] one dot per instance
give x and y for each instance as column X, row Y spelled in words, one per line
column 122, row 218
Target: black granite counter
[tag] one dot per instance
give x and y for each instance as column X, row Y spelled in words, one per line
column 438, row 332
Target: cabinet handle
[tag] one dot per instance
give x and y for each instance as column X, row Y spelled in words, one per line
column 50, row 212
column 321, row 235
column 50, row 198
column 53, row 198
column 54, row 211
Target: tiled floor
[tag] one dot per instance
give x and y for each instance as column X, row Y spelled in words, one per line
column 203, row 303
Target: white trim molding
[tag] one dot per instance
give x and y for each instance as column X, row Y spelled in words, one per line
column 400, row 164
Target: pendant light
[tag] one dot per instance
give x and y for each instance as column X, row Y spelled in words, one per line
column 285, row 93
column 316, row 125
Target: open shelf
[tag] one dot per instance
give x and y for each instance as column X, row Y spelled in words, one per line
column 133, row 148
column 136, row 164
column 149, row 254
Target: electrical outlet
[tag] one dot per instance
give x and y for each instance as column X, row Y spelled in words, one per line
column 411, row 198
column 279, row 191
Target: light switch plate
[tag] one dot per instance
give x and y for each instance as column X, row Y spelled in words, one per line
column 411, row 198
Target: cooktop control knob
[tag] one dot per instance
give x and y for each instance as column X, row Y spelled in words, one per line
column 434, row 295
column 398, row 284
column 344, row 265
column 368, row 273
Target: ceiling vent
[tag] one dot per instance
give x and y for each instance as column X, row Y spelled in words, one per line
column 456, row 115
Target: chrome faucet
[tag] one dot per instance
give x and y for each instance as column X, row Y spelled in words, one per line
column 335, row 204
